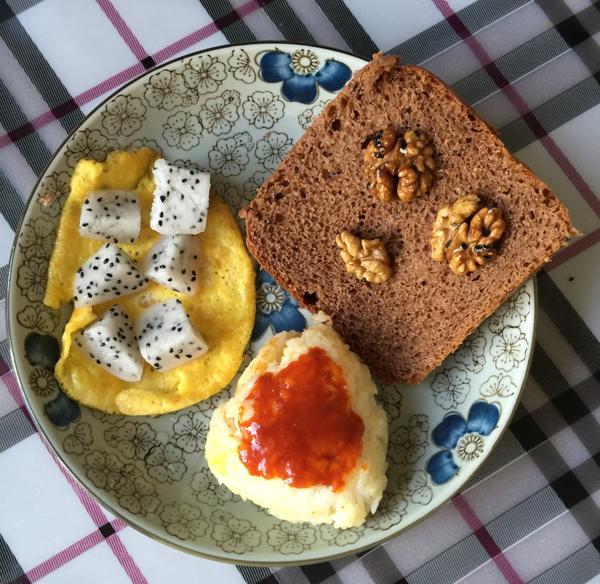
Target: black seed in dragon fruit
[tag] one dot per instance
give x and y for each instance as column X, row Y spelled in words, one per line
column 111, row 215
column 110, row 273
column 110, row 342
column 166, row 336
column 180, row 203
column 173, row 262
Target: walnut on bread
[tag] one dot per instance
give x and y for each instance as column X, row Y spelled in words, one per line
column 466, row 233
column 367, row 259
column 400, row 164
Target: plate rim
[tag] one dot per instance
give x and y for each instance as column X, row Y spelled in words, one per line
column 58, row 457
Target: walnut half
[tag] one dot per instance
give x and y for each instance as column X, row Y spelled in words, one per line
column 399, row 164
column 466, row 234
column 365, row 258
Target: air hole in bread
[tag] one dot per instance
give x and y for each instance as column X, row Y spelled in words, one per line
column 310, row 298
column 278, row 197
column 336, row 125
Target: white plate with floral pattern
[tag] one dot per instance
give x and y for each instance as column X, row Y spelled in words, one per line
column 236, row 111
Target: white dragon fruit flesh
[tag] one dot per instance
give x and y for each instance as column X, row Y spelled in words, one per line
column 166, row 336
column 180, row 203
column 110, row 342
column 108, row 274
column 111, row 215
column 173, row 262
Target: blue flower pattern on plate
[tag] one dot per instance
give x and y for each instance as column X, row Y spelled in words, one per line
column 301, row 74
column 275, row 308
column 62, row 410
column 42, row 350
column 464, row 435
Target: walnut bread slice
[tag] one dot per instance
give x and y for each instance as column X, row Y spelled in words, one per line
column 407, row 325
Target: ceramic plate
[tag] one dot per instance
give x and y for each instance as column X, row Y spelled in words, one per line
column 237, row 115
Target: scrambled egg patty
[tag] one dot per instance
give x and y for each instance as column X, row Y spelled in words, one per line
column 222, row 309
column 364, row 485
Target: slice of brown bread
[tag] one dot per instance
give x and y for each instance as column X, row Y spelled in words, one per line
column 408, row 325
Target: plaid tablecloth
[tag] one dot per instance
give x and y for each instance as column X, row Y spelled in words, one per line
column 532, row 69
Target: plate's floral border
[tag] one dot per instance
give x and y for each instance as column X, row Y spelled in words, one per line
column 223, row 111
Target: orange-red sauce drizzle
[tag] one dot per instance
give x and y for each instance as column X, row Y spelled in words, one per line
column 302, row 428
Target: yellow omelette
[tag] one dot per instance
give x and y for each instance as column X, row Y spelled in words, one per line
column 222, row 309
